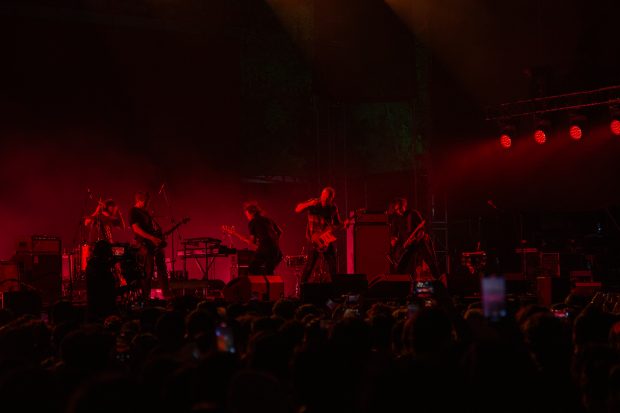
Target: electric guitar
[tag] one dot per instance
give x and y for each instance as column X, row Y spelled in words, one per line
column 398, row 256
column 230, row 230
column 162, row 236
column 323, row 239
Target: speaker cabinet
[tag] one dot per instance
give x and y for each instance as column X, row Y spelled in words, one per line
column 349, row 284
column 390, row 287
column 44, row 274
column 368, row 243
column 316, row 293
column 9, row 276
column 551, row 290
column 254, row 287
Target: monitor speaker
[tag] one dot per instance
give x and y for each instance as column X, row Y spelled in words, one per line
column 316, row 293
column 9, row 276
column 349, row 284
column 390, row 287
column 368, row 243
column 45, row 276
column 551, row 290
column 254, row 287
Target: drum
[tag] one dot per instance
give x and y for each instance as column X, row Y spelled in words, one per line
column 85, row 252
column 295, row 261
column 475, row 262
column 127, row 265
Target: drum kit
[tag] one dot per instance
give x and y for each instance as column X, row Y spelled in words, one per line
column 126, row 267
column 297, row 264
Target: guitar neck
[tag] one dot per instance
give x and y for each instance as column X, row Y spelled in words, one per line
column 242, row 237
column 413, row 235
column 174, row 228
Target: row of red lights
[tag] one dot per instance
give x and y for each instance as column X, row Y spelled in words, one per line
column 575, row 132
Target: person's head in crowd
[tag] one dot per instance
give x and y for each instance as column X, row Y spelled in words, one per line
column 381, row 325
column 380, row 309
column 267, row 351
column 269, row 324
column 64, row 311
column 140, row 349
column 351, row 336
column 234, row 310
column 285, row 309
column 87, row 350
column 316, row 333
column 548, row 340
column 59, row 332
column 130, row 328
column 183, row 304
column 199, row 322
column 170, row 330
column 148, row 318
column 429, row 330
column 292, row 333
column 578, row 301
column 527, row 311
column 307, row 309
column 113, row 324
column 473, row 314
column 591, row 327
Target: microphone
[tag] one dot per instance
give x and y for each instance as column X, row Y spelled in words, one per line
column 491, row 204
column 161, row 188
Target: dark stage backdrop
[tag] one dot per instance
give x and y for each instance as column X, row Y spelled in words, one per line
column 128, row 95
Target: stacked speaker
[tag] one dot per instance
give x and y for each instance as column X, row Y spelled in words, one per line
column 40, row 268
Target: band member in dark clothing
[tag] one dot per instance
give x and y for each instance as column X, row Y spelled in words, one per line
column 100, row 282
column 402, row 221
column 322, row 215
column 146, row 231
column 265, row 234
column 106, row 216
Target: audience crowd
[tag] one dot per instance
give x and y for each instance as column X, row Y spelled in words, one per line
column 432, row 355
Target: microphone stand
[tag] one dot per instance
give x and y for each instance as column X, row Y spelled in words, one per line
column 164, row 193
column 79, row 238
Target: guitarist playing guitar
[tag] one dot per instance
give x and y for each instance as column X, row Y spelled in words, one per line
column 322, row 216
column 151, row 243
column 409, row 243
column 264, row 239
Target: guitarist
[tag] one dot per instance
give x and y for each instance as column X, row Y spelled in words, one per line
column 402, row 221
column 145, row 230
column 265, row 235
column 322, row 214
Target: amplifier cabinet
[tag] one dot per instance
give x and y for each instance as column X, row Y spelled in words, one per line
column 368, row 244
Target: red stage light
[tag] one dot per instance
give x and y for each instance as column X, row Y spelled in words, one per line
column 540, row 137
column 575, row 132
column 505, row 141
column 614, row 126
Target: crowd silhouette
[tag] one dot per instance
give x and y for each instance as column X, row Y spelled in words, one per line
column 189, row 356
